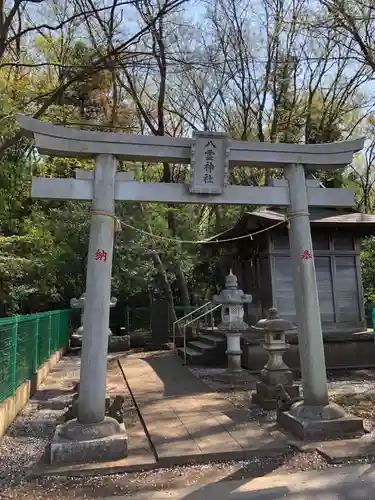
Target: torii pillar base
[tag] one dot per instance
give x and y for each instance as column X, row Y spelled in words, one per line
column 74, row 442
column 320, row 422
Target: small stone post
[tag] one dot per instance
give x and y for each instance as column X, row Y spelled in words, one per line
column 112, row 303
column 276, row 377
column 232, row 324
column 80, row 304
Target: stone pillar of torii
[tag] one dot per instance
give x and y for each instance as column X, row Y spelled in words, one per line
column 210, row 156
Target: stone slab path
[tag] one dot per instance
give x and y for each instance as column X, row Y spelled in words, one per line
column 187, row 422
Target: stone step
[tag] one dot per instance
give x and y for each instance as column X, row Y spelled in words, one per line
column 211, row 331
column 193, row 357
column 212, row 339
column 189, row 351
column 200, row 346
column 179, row 339
column 207, row 349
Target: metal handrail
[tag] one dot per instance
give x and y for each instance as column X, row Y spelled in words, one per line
column 197, row 319
column 184, row 317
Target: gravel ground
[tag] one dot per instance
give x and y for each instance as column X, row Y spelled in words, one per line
column 127, row 484
column 238, row 393
column 24, row 444
column 354, row 390
column 25, row 441
column 59, row 488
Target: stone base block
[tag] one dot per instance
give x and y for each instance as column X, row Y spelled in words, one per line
column 320, row 422
column 339, row 452
column 234, row 362
column 235, row 378
column 266, row 396
column 84, row 443
column 118, row 343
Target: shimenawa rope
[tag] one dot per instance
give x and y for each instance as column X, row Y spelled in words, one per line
column 118, row 223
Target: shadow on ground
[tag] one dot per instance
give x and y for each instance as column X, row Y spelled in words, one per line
column 164, row 371
column 364, row 491
column 329, row 484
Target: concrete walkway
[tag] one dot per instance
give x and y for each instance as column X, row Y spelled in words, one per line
column 186, row 422
column 346, row 483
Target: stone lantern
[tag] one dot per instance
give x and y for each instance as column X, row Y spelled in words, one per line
column 276, row 379
column 80, row 304
column 232, row 324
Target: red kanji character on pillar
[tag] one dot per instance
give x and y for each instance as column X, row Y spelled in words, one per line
column 306, row 255
column 101, row 255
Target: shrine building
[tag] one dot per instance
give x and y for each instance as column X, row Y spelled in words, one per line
column 263, row 264
column 263, row 267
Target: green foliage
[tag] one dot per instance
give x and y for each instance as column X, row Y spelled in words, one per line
column 286, row 98
column 24, row 283
column 368, row 270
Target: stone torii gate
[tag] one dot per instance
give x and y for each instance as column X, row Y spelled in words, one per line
column 210, row 156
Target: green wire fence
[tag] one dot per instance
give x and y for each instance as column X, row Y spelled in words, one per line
column 26, row 342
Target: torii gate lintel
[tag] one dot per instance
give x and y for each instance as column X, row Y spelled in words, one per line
column 67, row 142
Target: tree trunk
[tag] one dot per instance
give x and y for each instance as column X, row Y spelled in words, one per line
column 163, row 274
column 185, row 297
column 167, row 287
